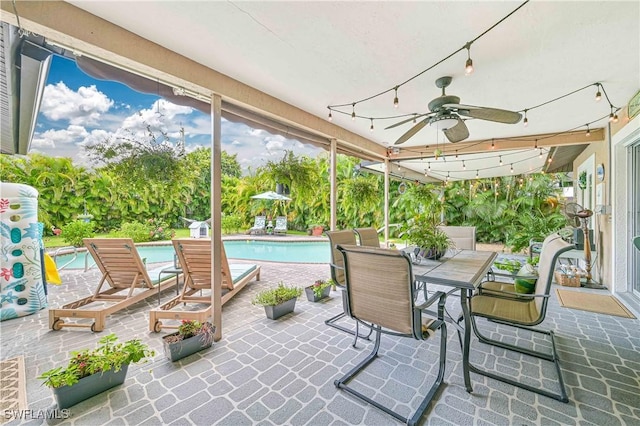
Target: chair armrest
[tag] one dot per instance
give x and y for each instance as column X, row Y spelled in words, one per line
column 512, row 295
column 438, row 295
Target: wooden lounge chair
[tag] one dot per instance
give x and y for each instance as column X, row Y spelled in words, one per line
column 194, row 255
column 127, row 279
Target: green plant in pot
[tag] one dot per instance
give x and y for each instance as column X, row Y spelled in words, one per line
column 277, row 301
column 92, row 371
column 318, row 290
column 191, row 337
column 423, row 232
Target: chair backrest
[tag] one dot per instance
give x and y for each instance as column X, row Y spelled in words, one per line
column 380, row 287
column 464, row 237
column 368, row 237
column 194, row 254
column 281, row 222
column 119, row 261
column 260, row 222
column 552, row 247
column 345, row 237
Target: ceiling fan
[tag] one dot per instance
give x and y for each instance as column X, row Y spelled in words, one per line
column 445, row 112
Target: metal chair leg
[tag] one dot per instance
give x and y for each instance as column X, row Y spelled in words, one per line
column 417, row 415
column 552, row 357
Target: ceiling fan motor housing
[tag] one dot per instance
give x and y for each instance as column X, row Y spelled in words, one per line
column 436, row 104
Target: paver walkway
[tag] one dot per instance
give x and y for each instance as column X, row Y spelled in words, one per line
column 267, row 372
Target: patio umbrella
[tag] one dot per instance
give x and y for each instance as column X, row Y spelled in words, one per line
column 270, row 195
column 275, row 200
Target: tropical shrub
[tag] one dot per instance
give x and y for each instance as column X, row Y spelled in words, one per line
column 231, row 223
column 159, row 230
column 137, row 231
column 74, row 232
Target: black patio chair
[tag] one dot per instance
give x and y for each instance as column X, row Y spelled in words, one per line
column 499, row 303
column 381, row 296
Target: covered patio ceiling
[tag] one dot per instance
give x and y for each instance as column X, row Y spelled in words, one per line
column 311, row 55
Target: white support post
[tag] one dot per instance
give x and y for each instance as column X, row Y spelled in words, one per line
column 216, row 231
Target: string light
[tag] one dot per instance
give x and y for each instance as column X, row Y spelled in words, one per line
column 395, row 100
column 330, row 116
column 353, row 112
column 588, row 132
column 493, row 146
column 540, row 154
column 598, row 94
column 549, row 160
column 468, row 67
column 512, row 168
column 429, row 166
column 477, row 171
column 456, row 154
column 468, row 64
column 371, row 128
column 464, row 167
column 536, row 144
column 447, row 177
column 525, row 122
column 501, row 160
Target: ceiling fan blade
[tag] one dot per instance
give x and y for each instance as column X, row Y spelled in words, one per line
column 457, row 133
column 412, row 131
column 400, row 123
column 485, row 113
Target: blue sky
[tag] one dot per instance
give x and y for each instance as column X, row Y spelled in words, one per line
column 78, row 110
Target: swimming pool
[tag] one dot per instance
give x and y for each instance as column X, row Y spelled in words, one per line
column 272, row 251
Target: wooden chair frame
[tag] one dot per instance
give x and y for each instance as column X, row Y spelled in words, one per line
column 194, row 255
column 123, row 271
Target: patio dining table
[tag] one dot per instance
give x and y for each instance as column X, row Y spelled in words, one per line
column 463, row 270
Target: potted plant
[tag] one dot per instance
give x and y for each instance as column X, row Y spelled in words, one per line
column 192, row 336
column 315, row 230
column 432, row 242
column 277, row 301
column 92, row 371
column 318, row 290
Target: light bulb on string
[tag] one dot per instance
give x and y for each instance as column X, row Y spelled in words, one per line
column 371, row 128
column 588, row 131
column 468, row 66
column 540, row 153
column 500, row 159
column 330, row 116
column 615, row 118
column 464, row 167
column 512, row 168
column 395, row 99
column 353, row 112
column 611, row 116
column 429, row 166
column 549, row 160
column 598, row 93
column 477, row 171
column 493, row 146
column 525, row 122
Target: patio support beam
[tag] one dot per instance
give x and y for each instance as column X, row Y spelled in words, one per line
column 333, row 201
column 216, row 209
column 528, row 142
column 95, row 37
column 386, row 202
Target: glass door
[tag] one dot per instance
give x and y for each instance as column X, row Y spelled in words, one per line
column 634, row 215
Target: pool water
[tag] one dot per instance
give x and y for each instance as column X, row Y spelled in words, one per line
column 272, row 251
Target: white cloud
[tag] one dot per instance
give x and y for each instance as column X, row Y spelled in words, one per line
column 56, row 138
column 83, row 107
